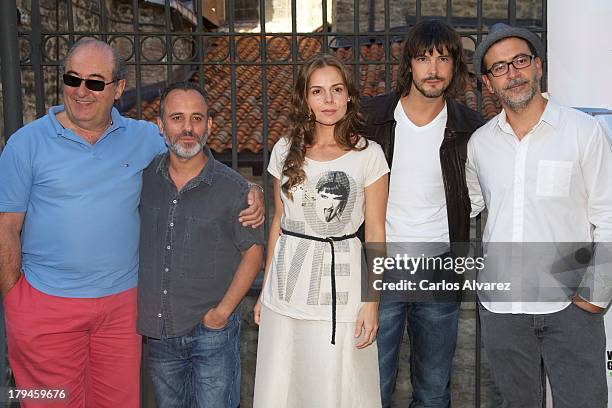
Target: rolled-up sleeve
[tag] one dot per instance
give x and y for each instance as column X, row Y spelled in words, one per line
column 471, row 178
column 596, row 167
column 245, row 237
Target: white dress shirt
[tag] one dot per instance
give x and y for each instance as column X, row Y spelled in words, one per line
column 554, row 186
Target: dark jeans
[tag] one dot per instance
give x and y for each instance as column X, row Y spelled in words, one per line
column 571, row 343
column 200, row 369
column 432, row 327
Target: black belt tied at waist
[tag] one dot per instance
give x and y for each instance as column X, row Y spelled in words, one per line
column 330, row 241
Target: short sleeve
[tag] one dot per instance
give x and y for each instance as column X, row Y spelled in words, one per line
column 245, row 237
column 277, row 158
column 15, row 178
column 161, row 146
column 155, row 139
column 376, row 166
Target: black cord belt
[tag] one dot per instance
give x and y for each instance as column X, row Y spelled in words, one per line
column 330, row 241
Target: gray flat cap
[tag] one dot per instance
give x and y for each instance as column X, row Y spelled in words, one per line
column 499, row 31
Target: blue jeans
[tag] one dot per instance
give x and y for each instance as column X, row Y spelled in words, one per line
column 200, row 369
column 432, row 327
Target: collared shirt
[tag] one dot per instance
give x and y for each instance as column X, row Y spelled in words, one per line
column 190, row 244
column 80, row 232
column 553, row 186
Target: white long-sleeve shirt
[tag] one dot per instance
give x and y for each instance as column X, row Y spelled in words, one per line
column 554, row 186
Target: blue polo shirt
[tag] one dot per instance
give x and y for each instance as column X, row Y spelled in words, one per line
column 81, row 228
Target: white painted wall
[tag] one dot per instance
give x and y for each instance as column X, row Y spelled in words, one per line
column 580, row 74
column 580, row 52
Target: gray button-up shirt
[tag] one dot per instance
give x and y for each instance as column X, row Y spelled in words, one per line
column 190, row 244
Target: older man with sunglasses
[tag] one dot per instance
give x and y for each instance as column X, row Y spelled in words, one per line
column 69, row 227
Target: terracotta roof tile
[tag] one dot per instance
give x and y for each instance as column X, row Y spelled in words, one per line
column 249, row 109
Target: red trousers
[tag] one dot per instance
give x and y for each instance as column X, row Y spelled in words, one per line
column 87, row 347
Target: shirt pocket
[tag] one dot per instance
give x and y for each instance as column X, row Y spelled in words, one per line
column 200, row 248
column 554, row 178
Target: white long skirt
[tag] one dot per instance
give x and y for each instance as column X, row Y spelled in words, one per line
column 297, row 366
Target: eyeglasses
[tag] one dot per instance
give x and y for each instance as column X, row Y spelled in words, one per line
column 519, row 62
column 91, row 84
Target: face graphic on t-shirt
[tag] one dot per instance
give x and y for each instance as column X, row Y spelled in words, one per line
column 329, row 204
column 332, row 195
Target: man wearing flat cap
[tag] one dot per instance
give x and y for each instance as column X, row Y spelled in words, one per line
column 543, row 171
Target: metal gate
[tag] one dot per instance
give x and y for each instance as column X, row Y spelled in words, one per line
column 237, row 50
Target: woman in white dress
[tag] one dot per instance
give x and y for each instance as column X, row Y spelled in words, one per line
column 316, row 336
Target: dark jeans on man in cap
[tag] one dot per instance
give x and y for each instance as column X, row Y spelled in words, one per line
column 571, row 343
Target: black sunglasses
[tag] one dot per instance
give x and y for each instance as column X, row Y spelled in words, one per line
column 91, row 84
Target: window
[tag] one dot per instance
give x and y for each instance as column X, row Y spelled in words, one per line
column 246, row 10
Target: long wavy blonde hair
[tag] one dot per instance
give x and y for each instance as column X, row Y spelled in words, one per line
column 302, row 120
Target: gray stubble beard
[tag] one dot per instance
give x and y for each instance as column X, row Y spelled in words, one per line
column 521, row 104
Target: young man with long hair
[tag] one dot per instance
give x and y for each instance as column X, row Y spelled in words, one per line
column 424, row 132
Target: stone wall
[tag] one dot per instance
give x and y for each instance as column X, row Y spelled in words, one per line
column 343, row 20
column 86, row 16
column 278, row 16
